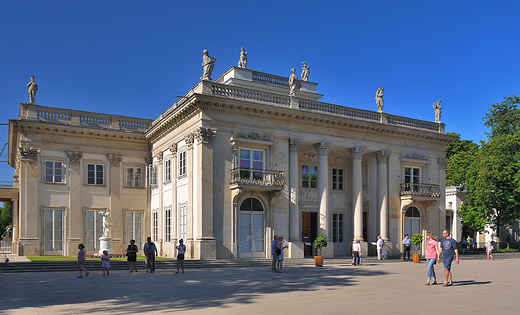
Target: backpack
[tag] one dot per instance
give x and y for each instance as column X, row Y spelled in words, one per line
column 149, row 249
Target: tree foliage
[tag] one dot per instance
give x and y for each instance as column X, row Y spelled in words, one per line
column 460, row 155
column 492, row 178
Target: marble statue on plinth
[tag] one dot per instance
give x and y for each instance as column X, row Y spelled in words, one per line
column 305, row 72
column 33, row 87
column 294, row 84
column 379, row 99
column 107, row 223
column 207, row 63
column 437, row 106
column 242, row 63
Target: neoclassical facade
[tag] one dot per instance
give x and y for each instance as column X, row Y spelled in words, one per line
column 232, row 163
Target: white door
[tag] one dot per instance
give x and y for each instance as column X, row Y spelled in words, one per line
column 53, row 232
column 412, row 224
column 251, row 229
column 94, row 230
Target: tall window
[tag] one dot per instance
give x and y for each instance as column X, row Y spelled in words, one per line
column 183, row 215
column 134, row 227
column 412, row 175
column 155, row 225
column 309, row 176
column 251, row 228
column 182, row 163
column 94, row 229
column 337, row 227
column 168, row 224
column 152, row 175
column 95, row 174
column 337, row 179
column 54, row 172
column 168, row 171
column 53, row 231
column 133, row 176
column 251, row 160
column 412, row 222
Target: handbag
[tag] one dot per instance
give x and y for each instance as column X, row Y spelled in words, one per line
column 278, row 251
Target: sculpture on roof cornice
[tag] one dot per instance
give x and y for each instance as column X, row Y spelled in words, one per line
column 379, row 99
column 305, row 72
column 242, row 63
column 294, row 84
column 33, row 87
column 437, row 106
column 207, row 63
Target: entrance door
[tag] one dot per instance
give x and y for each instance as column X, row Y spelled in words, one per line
column 412, row 224
column 53, row 232
column 94, row 230
column 252, row 238
column 309, row 232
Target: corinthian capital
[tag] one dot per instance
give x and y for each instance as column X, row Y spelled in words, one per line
column 114, row 159
column 74, row 157
column 204, row 135
column 28, row 154
column 382, row 157
column 443, row 162
column 294, row 145
column 357, row 153
column 189, row 138
column 322, row 148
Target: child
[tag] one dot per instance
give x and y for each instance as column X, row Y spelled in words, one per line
column 81, row 261
column 280, row 256
column 105, row 262
column 489, row 249
column 180, row 255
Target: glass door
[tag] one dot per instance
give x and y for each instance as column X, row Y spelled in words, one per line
column 94, row 230
column 53, row 232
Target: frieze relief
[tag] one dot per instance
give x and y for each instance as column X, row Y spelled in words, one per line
column 415, row 156
column 307, row 196
column 253, row 136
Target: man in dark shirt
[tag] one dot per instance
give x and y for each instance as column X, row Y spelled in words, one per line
column 448, row 248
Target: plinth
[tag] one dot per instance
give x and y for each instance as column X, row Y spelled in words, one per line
column 105, row 243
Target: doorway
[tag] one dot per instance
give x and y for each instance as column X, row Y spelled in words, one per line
column 309, row 232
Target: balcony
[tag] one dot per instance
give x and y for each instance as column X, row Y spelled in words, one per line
column 258, row 179
column 420, row 191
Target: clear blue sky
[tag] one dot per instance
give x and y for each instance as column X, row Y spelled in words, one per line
column 134, row 57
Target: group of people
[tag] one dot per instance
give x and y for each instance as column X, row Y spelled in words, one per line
column 277, row 248
column 149, row 250
column 448, row 248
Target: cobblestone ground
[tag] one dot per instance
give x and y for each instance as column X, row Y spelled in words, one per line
column 393, row 287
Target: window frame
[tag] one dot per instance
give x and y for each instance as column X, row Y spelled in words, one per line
column 338, row 180
column 63, row 171
column 167, row 224
column 183, row 163
column 155, row 224
column 168, row 170
column 309, row 180
column 183, row 221
column 134, row 181
column 338, row 227
column 86, row 172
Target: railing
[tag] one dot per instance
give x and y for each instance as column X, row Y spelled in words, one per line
column 340, row 110
column 81, row 118
column 265, row 178
column 250, row 95
column 6, row 249
column 413, row 123
column 6, row 184
column 270, row 79
column 421, row 190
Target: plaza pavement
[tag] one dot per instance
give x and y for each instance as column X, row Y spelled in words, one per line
column 389, row 287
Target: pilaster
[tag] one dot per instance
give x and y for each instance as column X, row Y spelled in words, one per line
column 115, row 185
column 30, row 223
column 295, row 242
column 382, row 192
column 75, row 234
column 190, row 229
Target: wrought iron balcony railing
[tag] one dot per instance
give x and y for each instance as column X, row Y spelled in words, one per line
column 6, row 184
column 421, row 190
column 264, row 178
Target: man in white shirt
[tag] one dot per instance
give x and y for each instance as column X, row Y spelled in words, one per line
column 380, row 248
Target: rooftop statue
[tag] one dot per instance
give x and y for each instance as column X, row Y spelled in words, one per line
column 379, row 99
column 242, row 63
column 437, row 106
column 207, row 63
column 294, row 84
column 33, row 87
column 305, row 72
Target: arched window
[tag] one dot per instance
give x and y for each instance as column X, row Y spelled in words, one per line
column 412, row 221
column 251, row 233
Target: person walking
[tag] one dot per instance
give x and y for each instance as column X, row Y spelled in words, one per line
column 150, row 251
column 432, row 253
column 281, row 255
column 407, row 244
column 274, row 245
column 131, row 253
column 489, row 250
column 380, row 245
column 81, row 261
column 181, row 250
column 356, row 251
column 448, row 248
column 105, row 264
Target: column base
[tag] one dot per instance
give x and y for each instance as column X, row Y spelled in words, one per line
column 205, row 249
column 295, row 249
column 391, row 251
column 327, row 252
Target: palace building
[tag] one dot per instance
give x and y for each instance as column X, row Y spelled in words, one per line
column 232, row 163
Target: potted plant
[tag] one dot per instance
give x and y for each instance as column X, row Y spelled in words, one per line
column 416, row 240
column 319, row 242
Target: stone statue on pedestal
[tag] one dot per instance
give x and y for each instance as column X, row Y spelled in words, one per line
column 33, row 87
column 379, row 99
column 8, row 232
column 207, row 63
column 107, row 223
column 437, row 106
column 242, row 63
column 305, row 72
column 294, row 84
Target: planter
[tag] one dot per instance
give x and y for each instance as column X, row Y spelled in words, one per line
column 318, row 261
column 416, row 258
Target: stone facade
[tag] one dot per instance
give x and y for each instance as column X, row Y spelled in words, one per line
column 234, row 162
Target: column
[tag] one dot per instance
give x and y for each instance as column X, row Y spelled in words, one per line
column 294, row 183
column 76, row 220
column 30, row 218
column 323, row 187
column 175, row 207
column 205, row 243
column 357, row 191
column 190, row 217
column 382, row 192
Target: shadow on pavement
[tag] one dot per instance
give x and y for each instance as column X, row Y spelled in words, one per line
column 470, row 282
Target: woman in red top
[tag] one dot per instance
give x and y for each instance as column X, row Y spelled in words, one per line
column 432, row 252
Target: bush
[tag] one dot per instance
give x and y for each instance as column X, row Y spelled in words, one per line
column 508, row 250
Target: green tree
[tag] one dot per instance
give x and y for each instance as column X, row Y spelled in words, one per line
column 493, row 176
column 6, row 214
column 460, row 155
